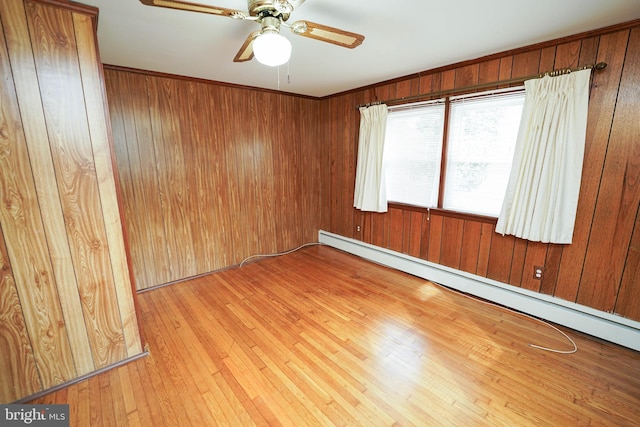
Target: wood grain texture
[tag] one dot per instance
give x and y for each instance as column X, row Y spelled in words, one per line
column 602, row 104
column 619, row 194
column 35, row 132
column 319, row 337
column 95, row 102
column 17, row 361
column 22, row 225
column 62, row 238
column 59, row 76
column 629, row 294
column 212, row 174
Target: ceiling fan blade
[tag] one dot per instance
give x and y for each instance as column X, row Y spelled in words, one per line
column 246, row 51
column 193, row 7
column 327, row 34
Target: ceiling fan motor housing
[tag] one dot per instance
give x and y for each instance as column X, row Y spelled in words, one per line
column 263, row 8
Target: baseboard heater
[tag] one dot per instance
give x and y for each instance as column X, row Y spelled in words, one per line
column 607, row 326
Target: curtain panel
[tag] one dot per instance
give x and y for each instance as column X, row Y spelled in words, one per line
column 369, row 192
column 542, row 194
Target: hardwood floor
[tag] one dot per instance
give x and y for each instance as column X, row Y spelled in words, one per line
column 319, row 337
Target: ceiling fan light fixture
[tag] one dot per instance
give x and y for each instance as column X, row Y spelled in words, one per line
column 272, row 49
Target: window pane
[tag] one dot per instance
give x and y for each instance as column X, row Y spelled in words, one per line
column 412, row 154
column 481, row 141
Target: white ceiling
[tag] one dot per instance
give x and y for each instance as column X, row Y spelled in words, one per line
column 402, row 37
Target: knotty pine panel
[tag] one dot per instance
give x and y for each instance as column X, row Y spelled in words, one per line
column 237, row 172
column 599, row 268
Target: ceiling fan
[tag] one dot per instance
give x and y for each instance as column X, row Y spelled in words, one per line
column 269, row 46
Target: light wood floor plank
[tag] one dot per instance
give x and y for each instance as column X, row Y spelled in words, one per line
column 319, row 337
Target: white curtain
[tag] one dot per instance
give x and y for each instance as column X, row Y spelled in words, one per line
column 369, row 193
column 542, row 194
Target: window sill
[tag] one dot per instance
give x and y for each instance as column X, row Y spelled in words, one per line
column 446, row 213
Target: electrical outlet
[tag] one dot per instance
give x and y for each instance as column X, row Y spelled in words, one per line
column 358, row 229
column 538, row 271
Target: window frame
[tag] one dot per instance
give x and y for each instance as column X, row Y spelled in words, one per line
column 439, row 209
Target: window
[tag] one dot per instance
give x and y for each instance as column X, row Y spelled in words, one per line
column 412, row 153
column 477, row 152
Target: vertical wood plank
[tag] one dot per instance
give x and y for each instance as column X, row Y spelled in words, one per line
column 547, row 59
column 629, row 295
column 602, row 104
column 517, row 262
column 467, row 75
column 500, row 257
column 588, row 51
column 147, row 184
column 406, row 231
column 22, row 225
column 567, row 55
column 337, row 155
column 196, row 199
column 396, row 229
column 526, row 64
column 215, row 176
column 551, row 267
column 17, row 362
column 488, row 71
column 228, row 198
column 349, row 166
column 415, row 234
column 59, row 76
column 472, row 231
column 619, row 193
column 179, row 256
column 506, row 67
column 451, row 246
column 125, row 152
column 484, row 249
column 97, row 121
column 35, row 133
column 435, row 238
column 426, row 235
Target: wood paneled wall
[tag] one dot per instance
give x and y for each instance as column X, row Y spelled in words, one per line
column 212, row 174
column 66, row 302
column 601, row 268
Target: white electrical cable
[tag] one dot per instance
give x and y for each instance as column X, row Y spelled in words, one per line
column 575, row 346
column 277, row 254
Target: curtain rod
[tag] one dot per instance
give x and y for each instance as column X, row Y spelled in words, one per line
column 599, row 66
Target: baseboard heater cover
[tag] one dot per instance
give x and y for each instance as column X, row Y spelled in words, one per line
column 607, row 326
